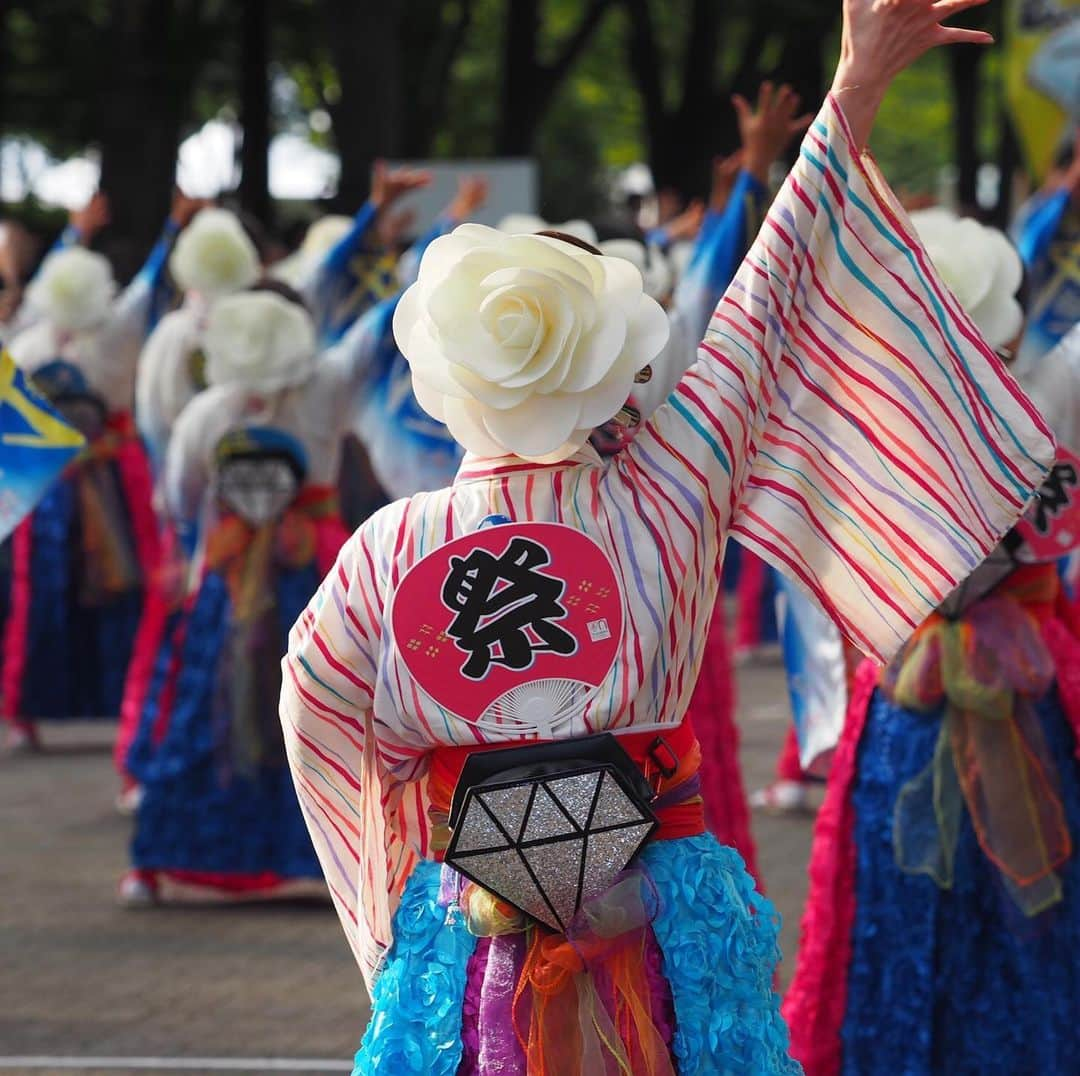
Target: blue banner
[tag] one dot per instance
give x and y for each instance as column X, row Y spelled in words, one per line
column 35, row 445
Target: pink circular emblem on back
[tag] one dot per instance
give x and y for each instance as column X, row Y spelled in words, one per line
column 514, row 623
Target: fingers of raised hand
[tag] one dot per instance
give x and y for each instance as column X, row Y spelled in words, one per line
column 945, row 9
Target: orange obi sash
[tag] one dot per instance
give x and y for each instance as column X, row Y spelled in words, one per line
column 670, row 759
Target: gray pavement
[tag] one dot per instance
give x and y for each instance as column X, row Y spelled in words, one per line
column 89, row 984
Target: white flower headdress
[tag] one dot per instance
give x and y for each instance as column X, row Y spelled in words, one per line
column 320, row 238
column 214, row 255
column 649, row 262
column 73, row 289
column 980, row 267
column 530, row 224
column 259, row 340
column 523, row 344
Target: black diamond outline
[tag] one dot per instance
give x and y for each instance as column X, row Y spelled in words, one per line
column 455, row 858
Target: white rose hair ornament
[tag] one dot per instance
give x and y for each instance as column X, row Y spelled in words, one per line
column 214, row 256
column 648, row 260
column 260, row 340
column 523, row 344
column 980, row 267
column 74, row 289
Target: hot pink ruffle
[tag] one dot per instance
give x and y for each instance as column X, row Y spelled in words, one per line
column 817, row 999
column 712, row 713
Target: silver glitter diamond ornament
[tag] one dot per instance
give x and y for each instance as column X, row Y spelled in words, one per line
column 547, row 843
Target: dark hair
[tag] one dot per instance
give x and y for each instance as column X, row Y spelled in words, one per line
column 279, row 287
column 572, row 240
column 1064, row 157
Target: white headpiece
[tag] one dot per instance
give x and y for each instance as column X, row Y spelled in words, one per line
column 530, row 224
column 980, row 267
column 523, row 344
column 260, row 340
column 73, row 289
column 649, row 262
column 320, row 238
column 214, row 255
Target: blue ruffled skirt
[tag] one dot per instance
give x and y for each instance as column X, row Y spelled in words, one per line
column 955, row 981
column 200, row 812
column 72, row 654
column 717, row 934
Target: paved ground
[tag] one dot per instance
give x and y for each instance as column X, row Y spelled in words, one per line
column 81, row 978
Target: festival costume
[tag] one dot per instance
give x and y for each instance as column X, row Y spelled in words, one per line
column 80, row 561
column 152, row 282
column 355, row 275
column 896, row 972
column 943, row 879
column 214, row 257
column 251, row 469
column 845, row 420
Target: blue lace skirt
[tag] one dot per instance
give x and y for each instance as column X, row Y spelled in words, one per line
column 200, row 811
column 955, row 981
column 719, row 943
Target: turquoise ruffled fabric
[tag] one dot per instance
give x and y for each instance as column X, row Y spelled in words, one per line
column 719, row 940
column 416, row 1007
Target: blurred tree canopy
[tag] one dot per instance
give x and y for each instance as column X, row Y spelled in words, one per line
column 586, row 86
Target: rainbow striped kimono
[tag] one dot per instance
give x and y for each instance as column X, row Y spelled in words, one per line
column 844, row 419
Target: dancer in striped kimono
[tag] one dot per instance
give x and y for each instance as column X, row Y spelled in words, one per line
column 843, row 417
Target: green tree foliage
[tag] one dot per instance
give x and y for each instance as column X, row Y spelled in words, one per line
column 586, row 86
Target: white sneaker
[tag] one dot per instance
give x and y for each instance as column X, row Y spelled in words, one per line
column 127, row 801
column 782, row 797
column 18, row 740
column 136, row 891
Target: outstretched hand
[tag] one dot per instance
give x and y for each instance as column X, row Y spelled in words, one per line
column 767, row 129
column 184, row 207
column 93, row 216
column 388, row 185
column 472, row 193
column 880, row 39
column 687, row 224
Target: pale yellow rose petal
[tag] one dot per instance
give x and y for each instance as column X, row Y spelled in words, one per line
column 597, row 350
column 535, row 427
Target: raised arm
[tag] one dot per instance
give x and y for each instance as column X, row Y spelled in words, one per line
column 880, row 39
column 328, row 288
column 472, row 192
column 143, row 302
column 844, row 418
column 727, row 231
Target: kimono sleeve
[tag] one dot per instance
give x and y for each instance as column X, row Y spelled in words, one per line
column 353, row 807
column 851, row 425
